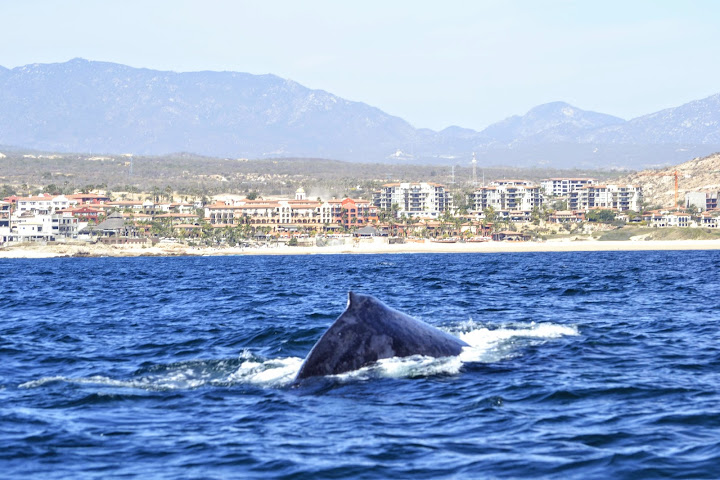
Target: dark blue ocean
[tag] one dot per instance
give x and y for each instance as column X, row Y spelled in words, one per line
column 581, row 365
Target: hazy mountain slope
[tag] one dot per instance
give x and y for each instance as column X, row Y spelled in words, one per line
column 549, row 123
column 696, row 122
column 94, row 107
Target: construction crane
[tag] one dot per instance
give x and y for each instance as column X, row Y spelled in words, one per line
column 675, row 174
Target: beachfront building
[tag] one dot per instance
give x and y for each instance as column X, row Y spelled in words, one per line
column 662, row 219
column 31, row 227
column 414, row 200
column 301, row 212
column 615, row 197
column 562, row 187
column 356, row 213
column 258, row 212
column 36, row 224
column 567, row 216
column 710, row 220
column 64, row 224
column 702, row 201
column 506, row 196
column 289, row 215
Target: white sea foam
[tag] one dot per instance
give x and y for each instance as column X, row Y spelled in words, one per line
column 405, row 367
column 277, row 372
column 485, row 345
column 496, row 344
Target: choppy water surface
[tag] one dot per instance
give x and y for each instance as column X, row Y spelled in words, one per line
column 581, row 365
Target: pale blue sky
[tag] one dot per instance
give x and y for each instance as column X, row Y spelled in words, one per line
column 433, row 63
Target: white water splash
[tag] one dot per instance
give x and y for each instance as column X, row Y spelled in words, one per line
column 493, row 345
column 277, row 372
column 486, row 345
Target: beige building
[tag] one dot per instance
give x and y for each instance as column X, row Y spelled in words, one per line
column 290, row 214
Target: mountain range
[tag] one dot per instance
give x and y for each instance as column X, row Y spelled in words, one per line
column 98, row 107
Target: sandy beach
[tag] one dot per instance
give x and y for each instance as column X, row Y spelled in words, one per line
column 366, row 246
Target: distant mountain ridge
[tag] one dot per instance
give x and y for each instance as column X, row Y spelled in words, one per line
column 694, row 122
column 551, row 122
column 89, row 106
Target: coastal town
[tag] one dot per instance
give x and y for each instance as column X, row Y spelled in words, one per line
column 504, row 210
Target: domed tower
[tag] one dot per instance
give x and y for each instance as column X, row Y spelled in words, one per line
column 300, row 194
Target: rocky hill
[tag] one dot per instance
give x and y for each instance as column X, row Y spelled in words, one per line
column 695, row 175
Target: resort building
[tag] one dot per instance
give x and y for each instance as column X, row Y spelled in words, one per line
column 510, row 195
column 246, row 212
column 356, row 213
column 293, row 214
column 562, row 187
column 616, row 197
column 424, row 200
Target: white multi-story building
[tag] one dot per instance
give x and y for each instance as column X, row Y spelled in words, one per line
column 31, row 227
column 562, row 187
column 65, row 225
column 517, row 195
column 414, row 199
column 617, row 197
column 44, row 204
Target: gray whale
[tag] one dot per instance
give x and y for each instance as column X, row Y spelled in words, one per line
column 367, row 331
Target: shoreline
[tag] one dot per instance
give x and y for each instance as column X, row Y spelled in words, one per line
column 365, row 247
